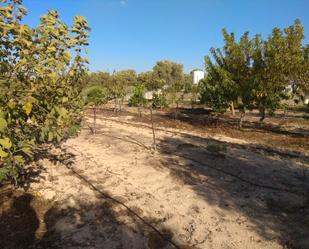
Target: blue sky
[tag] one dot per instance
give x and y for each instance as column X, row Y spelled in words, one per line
column 137, row 33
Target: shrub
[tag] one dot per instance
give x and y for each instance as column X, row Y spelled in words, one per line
column 216, row 148
column 138, row 99
column 159, row 100
column 95, row 95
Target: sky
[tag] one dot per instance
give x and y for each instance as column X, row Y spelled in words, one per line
column 134, row 34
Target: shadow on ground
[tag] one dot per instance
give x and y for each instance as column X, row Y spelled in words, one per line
column 204, row 117
column 28, row 221
column 269, row 190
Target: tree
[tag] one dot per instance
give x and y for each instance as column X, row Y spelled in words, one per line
column 159, row 100
column 95, row 96
column 175, row 92
column 138, row 98
column 172, row 76
column 190, row 89
column 150, row 81
column 120, row 85
column 302, row 78
column 168, row 71
column 257, row 72
column 277, row 64
column 228, row 79
column 218, row 89
column 97, row 79
column 40, row 83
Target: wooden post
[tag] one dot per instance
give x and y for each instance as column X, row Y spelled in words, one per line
column 242, row 116
column 232, row 108
column 139, row 110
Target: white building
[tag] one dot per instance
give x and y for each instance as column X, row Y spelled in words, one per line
column 197, row 76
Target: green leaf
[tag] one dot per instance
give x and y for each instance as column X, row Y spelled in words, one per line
column 3, row 154
column 62, row 111
column 4, row 172
column 19, row 159
column 50, row 136
column 6, row 143
column 3, row 124
column 67, row 56
column 59, row 138
column 27, row 150
column 12, row 104
column 28, row 108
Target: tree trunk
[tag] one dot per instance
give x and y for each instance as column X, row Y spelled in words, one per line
column 285, row 114
column 232, row 108
column 139, row 110
column 115, row 109
column 176, row 111
column 242, row 116
column 120, row 104
column 153, row 131
column 262, row 113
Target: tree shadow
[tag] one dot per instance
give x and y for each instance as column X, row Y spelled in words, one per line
column 79, row 225
column 18, row 222
column 268, row 190
column 204, row 117
column 105, row 222
column 98, row 225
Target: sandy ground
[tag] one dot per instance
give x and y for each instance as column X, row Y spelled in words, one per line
column 112, row 190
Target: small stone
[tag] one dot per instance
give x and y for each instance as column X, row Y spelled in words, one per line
column 49, row 195
column 71, row 202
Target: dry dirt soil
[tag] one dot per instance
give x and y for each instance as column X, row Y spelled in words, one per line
column 112, row 190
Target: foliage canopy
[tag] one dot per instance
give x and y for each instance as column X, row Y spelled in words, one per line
column 40, row 82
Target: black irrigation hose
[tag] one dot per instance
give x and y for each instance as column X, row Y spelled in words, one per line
column 214, row 168
column 107, row 196
column 240, row 178
column 186, row 157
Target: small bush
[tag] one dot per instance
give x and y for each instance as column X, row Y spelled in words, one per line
column 159, row 100
column 96, row 95
column 138, row 98
column 216, row 148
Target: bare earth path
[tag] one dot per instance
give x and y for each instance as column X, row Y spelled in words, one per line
column 196, row 199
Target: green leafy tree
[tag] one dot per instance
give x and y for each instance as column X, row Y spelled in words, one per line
column 172, row 76
column 302, row 78
column 150, row 81
column 40, row 83
column 217, row 89
column 277, row 64
column 168, row 72
column 138, row 99
column 95, row 96
column 228, row 78
column 257, row 72
column 97, row 79
column 121, row 84
column 159, row 100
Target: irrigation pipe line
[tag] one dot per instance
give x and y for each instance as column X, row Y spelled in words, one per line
column 107, row 196
column 240, row 178
column 209, row 166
